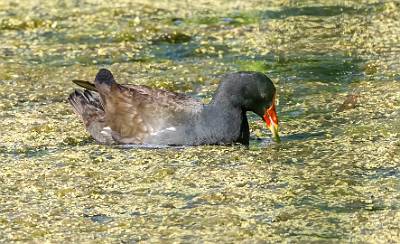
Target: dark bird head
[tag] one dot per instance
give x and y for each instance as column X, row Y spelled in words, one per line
column 250, row 91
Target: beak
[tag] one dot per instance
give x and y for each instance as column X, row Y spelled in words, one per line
column 271, row 119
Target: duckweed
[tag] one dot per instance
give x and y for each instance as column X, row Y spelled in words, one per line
column 334, row 178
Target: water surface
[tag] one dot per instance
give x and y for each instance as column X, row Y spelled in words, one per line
column 335, row 176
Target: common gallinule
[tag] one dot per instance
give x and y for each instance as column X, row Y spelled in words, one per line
column 136, row 114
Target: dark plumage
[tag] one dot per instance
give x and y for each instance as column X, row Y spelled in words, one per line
column 135, row 114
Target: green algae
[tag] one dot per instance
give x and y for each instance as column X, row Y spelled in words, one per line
column 334, row 178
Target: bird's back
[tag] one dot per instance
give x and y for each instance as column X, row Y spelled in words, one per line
column 134, row 113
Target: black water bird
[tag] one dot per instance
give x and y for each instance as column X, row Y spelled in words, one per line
column 135, row 114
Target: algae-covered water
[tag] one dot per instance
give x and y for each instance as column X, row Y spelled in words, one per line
column 334, row 178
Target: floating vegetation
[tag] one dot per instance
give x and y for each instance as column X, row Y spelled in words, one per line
column 174, row 37
column 334, row 178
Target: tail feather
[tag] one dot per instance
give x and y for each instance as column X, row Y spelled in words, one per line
column 104, row 81
column 85, row 84
column 104, row 76
column 87, row 105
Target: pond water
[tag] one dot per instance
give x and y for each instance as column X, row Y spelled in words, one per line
column 334, row 178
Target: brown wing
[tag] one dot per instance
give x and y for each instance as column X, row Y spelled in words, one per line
column 135, row 112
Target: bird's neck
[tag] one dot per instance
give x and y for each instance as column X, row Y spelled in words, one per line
column 227, row 98
column 217, row 124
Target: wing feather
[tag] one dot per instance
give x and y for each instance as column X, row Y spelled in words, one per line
column 135, row 112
